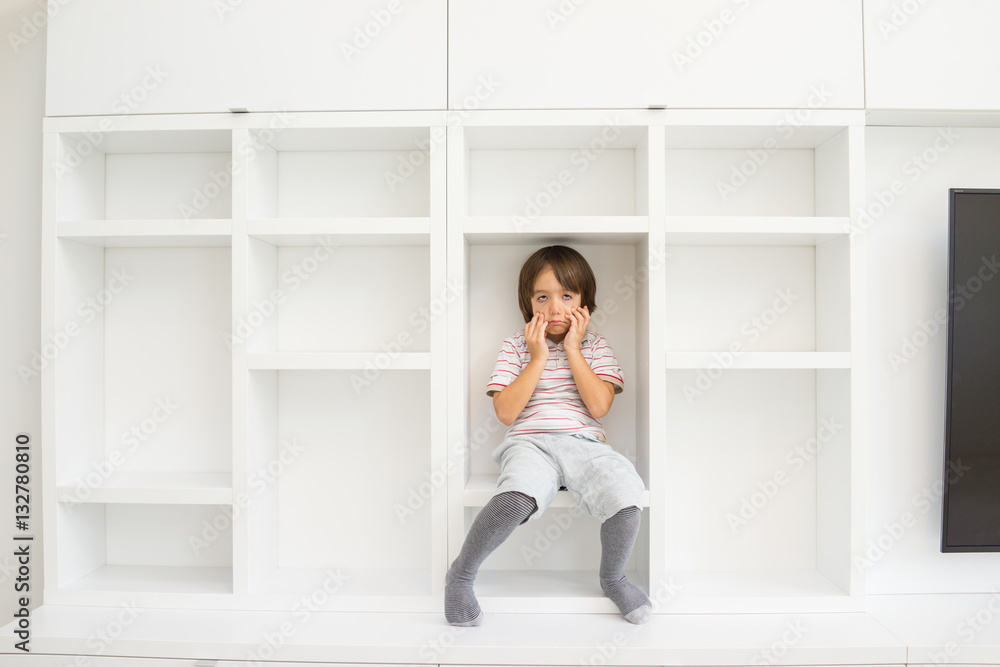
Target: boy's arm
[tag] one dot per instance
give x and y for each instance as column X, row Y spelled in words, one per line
column 509, row 402
column 597, row 393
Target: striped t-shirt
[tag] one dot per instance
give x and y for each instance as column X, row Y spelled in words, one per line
column 556, row 404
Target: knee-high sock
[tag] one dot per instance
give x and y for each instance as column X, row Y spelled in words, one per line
column 494, row 524
column 618, row 535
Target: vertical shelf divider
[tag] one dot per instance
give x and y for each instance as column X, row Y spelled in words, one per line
column 240, row 301
column 656, row 342
column 439, row 440
column 457, row 341
column 50, row 500
column 859, row 356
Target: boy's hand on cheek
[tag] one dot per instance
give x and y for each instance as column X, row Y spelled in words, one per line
column 534, row 333
column 579, row 320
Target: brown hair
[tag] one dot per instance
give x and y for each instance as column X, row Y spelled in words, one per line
column 571, row 270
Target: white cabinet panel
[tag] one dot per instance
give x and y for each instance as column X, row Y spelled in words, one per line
column 159, row 56
column 314, row 55
column 565, row 55
column 182, row 56
column 603, row 54
column 925, row 55
column 750, row 54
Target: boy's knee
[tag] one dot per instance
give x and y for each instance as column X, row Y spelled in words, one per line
column 516, row 503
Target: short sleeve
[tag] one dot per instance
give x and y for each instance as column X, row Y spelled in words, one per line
column 506, row 369
column 605, row 365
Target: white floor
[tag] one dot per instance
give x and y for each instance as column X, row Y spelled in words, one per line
column 896, row 630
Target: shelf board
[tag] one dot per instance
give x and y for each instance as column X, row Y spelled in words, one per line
column 932, row 117
column 480, row 488
column 341, row 231
column 145, row 233
column 762, row 360
column 753, row 128
column 545, row 591
column 296, row 582
column 156, row 579
column 324, row 135
column 754, row 230
column 123, row 139
column 485, row 230
column 177, row 488
column 342, row 361
column 757, row 591
column 533, row 131
column 753, row 583
column 533, row 638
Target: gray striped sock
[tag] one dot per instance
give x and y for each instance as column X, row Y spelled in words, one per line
column 494, row 524
column 618, row 535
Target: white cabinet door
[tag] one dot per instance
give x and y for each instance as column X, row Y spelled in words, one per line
column 926, row 55
column 568, row 54
column 157, row 56
column 183, row 56
column 634, row 53
column 763, row 54
column 315, row 55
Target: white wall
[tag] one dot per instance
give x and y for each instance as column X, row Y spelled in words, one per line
column 907, row 285
column 22, row 88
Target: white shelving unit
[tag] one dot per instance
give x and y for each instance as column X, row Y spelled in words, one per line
column 263, row 308
column 518, row 182
column 683, row 263
column 285, row 384
column 138, row 443
column 762, row 487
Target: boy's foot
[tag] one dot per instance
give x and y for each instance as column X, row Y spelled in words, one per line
column 618, row 534
column 640, row 615
column 460, row 604
column 631, row 602
column 502, row 514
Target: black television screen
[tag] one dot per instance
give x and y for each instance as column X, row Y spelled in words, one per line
column 972, row 420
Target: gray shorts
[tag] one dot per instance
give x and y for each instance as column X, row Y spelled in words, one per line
column 600, row 480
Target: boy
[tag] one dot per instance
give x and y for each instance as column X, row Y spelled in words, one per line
column 551, row 385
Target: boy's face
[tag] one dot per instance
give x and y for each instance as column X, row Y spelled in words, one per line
column 554, row 302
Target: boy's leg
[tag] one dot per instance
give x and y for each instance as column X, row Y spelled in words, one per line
column 618, row 535
column 605, row 484
column 494, row 524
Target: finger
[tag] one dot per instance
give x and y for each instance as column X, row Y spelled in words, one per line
column 573, row 335
column 539, row 328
